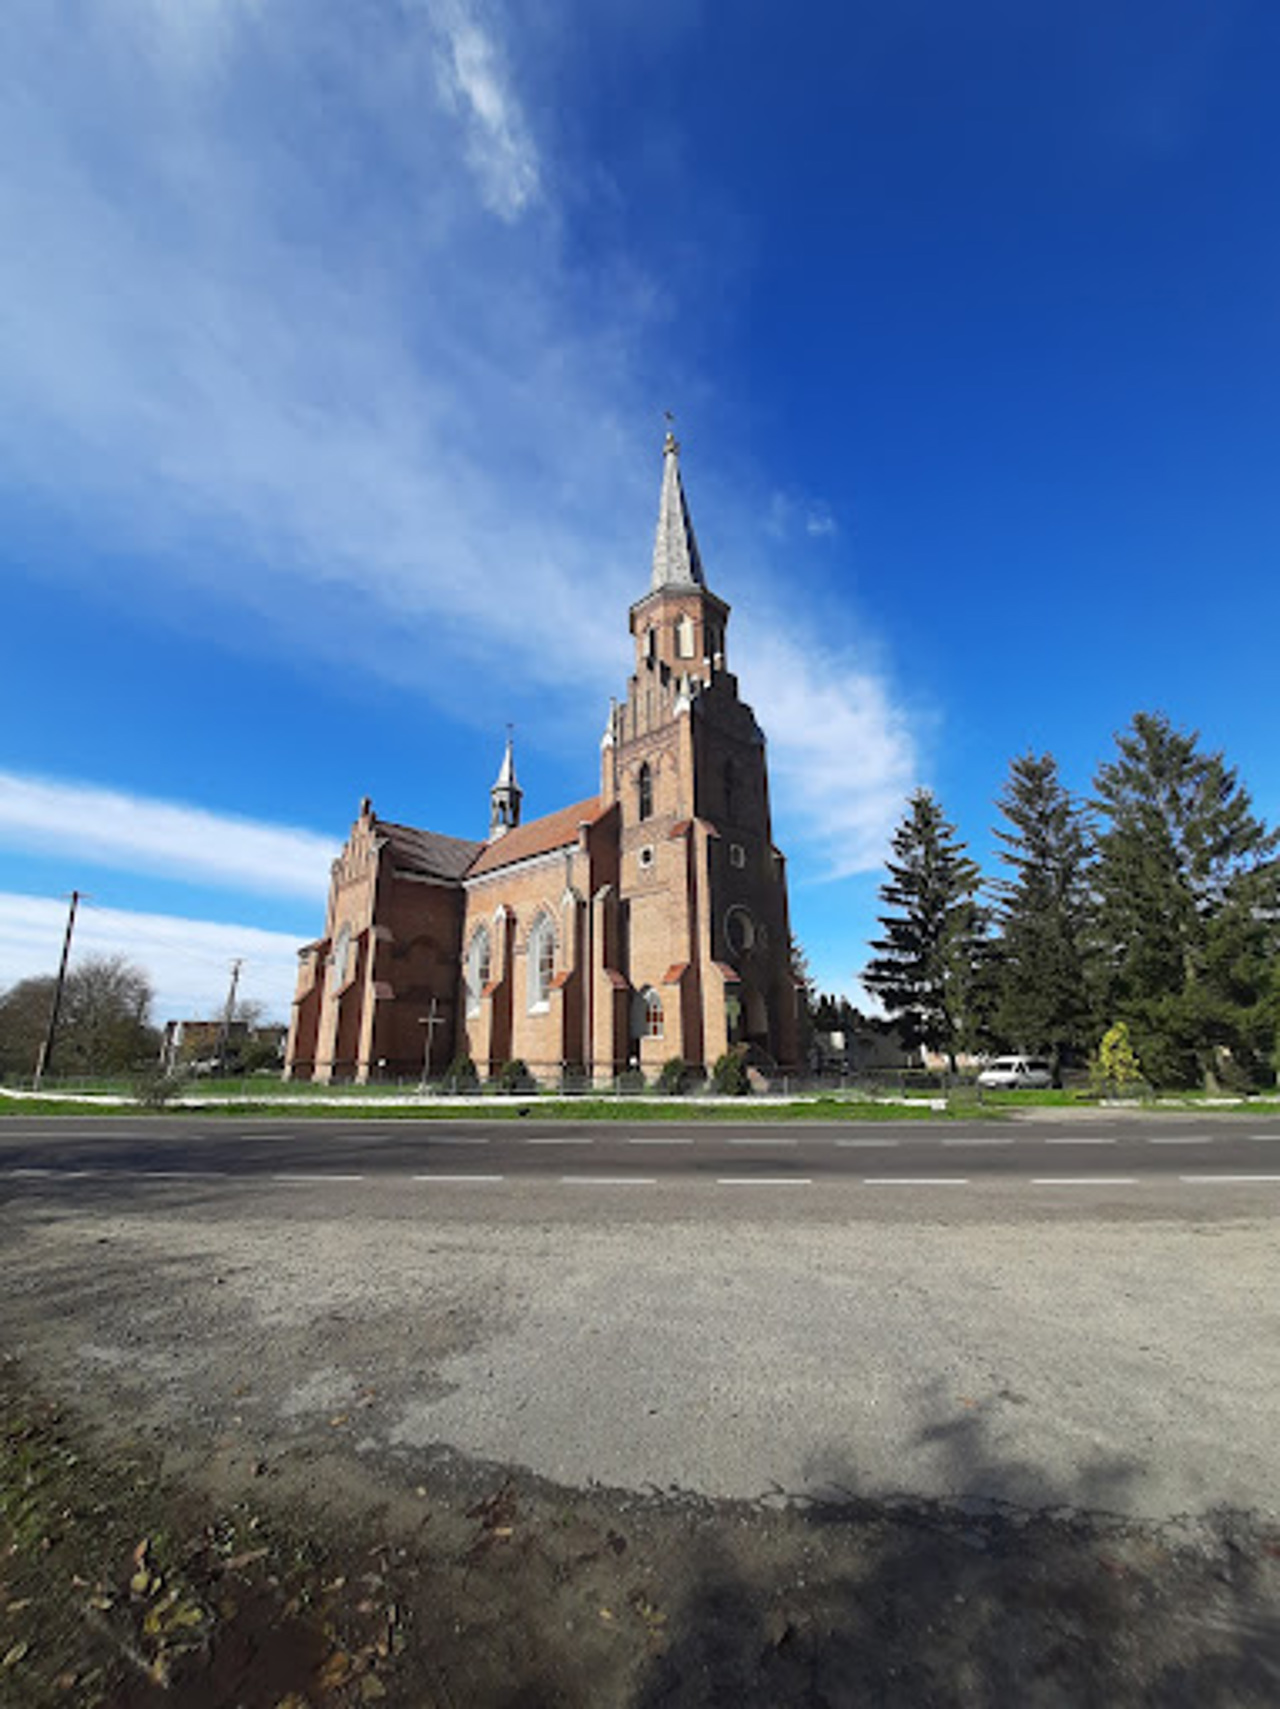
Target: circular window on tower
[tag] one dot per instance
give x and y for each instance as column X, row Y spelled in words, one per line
column 739, row 930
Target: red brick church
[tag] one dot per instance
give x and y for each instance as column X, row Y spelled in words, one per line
column 647, row 922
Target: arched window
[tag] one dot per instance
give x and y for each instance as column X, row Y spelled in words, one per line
column 652, row 1014
column 341, row 958
column 644, row 792
column 479, row 968
column 542, row 961
column 684, row 637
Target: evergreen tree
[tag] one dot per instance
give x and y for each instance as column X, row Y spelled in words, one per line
column 1042, row 999
column 927, row 965
column 1189, row 906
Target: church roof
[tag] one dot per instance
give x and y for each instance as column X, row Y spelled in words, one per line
column 427, row 852
column 676, row 563
column 539, row 836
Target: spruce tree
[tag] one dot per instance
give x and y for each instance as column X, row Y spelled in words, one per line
column 1189, row 905
column 926, row 965
column 1043, row 1000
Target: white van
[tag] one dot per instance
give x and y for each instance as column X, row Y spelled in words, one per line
column 1014, row 1073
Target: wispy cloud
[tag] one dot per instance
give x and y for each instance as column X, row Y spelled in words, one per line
column 473, row 83
column 109, row 828
column 265, row 331
column 842, row 755
column 187, row 961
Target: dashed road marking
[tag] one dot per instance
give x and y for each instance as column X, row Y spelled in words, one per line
column 1265, row 1138
column 758, row 1139
column 977, row 1142
column 457, row 1139
column 1084, row 1181
column 915, row 1181
column 1180, row 1139
column 867, row 1144
column 608, row 1181
column 659, row 1140
column 763, row 1181
column 1091, row 1140
column 459, row 1178
column 576, row 1140
column 185, row 1175
column 309, row 1179
column 1204, row 1180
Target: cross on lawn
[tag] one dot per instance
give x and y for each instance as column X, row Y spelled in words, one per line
column 430, row 1022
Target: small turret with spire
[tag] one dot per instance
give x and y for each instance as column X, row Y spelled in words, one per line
column 505, row 796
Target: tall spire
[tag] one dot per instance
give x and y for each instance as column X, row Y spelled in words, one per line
column 676, row 563
column 506, row 795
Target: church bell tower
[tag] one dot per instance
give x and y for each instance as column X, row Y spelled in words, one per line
column 703, row 906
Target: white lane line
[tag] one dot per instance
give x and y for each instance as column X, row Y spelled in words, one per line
column 441, row 1139
column 1204, row 1179
column 608, row 1181
column 1264, row 1138
column 763, row 1181
column 658, row 1141
column 1074, row 1141
column 457, row 1178
column 757, row 1140
column 1084, row 1181
column 575, row 1141
column 1180, row 1139
column 29, row 1172
column 181, row 1174
column 311, row 1178
column 915, row 1181
column 867, row 1144
column 977, row 1142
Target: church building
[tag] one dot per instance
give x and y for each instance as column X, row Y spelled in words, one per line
column 647, row 922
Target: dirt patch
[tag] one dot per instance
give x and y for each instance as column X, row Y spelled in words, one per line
column 147, row 1573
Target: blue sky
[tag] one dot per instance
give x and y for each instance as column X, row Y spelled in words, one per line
column 334, row 346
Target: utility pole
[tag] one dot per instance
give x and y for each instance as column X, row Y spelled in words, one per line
column 46, row 1049
column 224, row 1032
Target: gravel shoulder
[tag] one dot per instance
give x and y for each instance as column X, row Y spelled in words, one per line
column 561, row 1460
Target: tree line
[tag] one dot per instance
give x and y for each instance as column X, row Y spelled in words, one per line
column 1153, row 904
column 105, row 1025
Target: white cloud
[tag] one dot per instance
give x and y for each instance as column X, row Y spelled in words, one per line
column 820, row 524
column 109, row 828
column 187, row 961
column 842, row 757
column 261, row 336
column 499, row 147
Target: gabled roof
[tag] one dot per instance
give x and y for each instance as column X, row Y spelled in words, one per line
column 539, row 836
column 427, row 852
column 676, row 562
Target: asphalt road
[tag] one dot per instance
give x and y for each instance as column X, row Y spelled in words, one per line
column 1176, row 1165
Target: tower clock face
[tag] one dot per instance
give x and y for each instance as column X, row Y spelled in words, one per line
column 739, row 930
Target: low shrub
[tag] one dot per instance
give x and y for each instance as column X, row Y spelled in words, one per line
column 155, row 1087
column 674, row 1076
column 461, row 1073
column 729, row 1075
column 514, row 1076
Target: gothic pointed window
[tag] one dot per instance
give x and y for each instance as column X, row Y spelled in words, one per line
column 542, row 962
column 644, row 792
column 684, row 637
column 479, row 968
